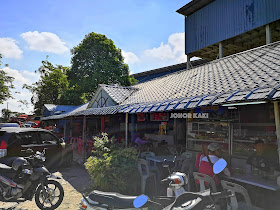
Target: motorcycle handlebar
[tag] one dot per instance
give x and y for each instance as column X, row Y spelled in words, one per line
column 222, row 194
column 165, row 180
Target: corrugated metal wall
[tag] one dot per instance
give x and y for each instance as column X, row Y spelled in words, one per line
column 223, row 19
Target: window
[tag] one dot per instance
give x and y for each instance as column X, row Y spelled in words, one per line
column 27, row 138
column 48, row 138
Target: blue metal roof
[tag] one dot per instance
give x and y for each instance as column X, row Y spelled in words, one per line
column 224, row 19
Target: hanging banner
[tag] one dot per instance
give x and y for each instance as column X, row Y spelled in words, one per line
column 159, row 116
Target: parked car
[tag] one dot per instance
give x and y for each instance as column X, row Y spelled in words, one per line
column 20, row 139
column 30, row 124
column 9, row 125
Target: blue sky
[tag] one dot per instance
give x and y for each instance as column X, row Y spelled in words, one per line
column 150, row 34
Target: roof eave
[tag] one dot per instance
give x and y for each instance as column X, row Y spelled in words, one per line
column 193, row 6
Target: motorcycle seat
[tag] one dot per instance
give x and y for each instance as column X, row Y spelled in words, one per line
column 4, row 167
column 112, row 199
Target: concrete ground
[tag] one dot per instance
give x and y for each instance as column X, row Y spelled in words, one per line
column 75, row 180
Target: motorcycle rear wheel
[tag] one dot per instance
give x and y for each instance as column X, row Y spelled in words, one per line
column 48, row 203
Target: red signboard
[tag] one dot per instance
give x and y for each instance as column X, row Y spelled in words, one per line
column 159, row 116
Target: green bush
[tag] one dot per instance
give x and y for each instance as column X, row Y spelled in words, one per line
column 113, row 167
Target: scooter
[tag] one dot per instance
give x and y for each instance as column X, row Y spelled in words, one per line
column 111, row 200
column 189, row 200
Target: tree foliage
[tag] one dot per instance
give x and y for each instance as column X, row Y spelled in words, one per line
column 96, row 60
column 6, row 113
column 5, row 85
column 51, row 85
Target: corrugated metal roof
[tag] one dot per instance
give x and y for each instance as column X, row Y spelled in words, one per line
column 259, row 67
column 247, row 76
column 224, row 19
column 54, row 108
column 118, row 93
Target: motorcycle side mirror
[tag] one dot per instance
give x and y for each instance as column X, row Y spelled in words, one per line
column 165, row 164
column 61, row 140
column 140, row 201
column 219, row 166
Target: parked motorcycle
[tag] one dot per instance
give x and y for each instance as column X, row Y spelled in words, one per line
column 24, row 177
column 111, row 200
column 189, row 200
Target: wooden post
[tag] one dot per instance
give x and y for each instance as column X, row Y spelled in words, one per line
column 64, row 129
column 103, row 124
column 133, row 125
column 277, row 125
column 71, row 127
column 84, row 128
column 84, row 137
column 126, row 129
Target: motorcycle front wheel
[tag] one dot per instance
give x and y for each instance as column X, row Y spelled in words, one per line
column 55, row 194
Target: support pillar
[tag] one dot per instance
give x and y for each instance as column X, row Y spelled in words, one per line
column 71, row 127
column 103, row 124
column 267, row 34
column 64, row 129
column 133, row 125
column 188, row 62
column 126, row 129
column 84, row 137
column 220, row 50
column 84, row 128
column 277, row 126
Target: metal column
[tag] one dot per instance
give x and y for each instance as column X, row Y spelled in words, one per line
column 267, row 34
column 220, row 50
column 277, row 125
column 188, row 62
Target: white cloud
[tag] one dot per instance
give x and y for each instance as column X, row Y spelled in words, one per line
column 9, row 48
column 44, row 42
column 130, row 57
column 20, row 78
column 173, row 50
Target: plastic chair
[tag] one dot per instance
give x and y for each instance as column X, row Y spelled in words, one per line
column 205, row 178
column 143, row 155
column 187, row 155
column 145, row 173
column 234, row 204
column 152, row 165
column 187, row 168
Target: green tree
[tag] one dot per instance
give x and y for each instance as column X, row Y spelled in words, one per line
column 6, row 113
column 48, row 90
column 5, row 85
column 96, row 60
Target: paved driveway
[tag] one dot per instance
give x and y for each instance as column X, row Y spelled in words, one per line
column 75, row 180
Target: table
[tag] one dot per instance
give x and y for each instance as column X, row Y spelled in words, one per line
column 160, row 159
column 257, row 181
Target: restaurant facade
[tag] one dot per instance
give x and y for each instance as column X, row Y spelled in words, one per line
column 232, row 100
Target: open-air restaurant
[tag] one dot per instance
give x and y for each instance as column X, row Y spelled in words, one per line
column 241, row 126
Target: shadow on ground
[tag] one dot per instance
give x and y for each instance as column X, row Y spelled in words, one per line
column 78, row 177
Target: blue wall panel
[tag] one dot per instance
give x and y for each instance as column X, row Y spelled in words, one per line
column 223, row 19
